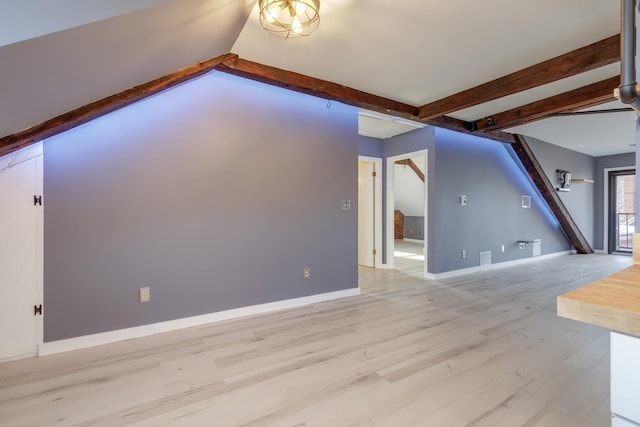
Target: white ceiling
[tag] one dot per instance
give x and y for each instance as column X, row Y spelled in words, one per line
column 593, row 134
column 56, row 55
column 26, row 19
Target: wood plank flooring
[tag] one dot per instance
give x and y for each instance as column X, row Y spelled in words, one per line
column 485, row 349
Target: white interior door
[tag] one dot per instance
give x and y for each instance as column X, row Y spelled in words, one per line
column 366, row 214
column 20, row 256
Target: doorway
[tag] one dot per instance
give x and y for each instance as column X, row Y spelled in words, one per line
column 622, row 193
column 369, row 212
column 411, row 246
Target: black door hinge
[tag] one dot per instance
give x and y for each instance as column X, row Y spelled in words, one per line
column 37, row 309
column 37, row 200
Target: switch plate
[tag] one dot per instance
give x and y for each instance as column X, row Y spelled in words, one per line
column 306, row 273
column 145, row 294
column 463, row 200
column 464, row 253
column 502, row 248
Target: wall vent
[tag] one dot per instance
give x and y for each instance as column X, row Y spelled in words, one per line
column 485, row 258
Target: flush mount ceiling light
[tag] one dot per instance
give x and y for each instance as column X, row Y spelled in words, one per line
column 289, row 18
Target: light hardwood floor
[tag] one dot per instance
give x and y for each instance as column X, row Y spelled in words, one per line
column 409, row 257
column 485, row 349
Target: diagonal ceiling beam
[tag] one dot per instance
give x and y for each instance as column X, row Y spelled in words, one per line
column 230, row 63
column 550, row 195
column 413, row 166
column 586, row 58
column 583, row 97
column 86, row 113
column 317, row 87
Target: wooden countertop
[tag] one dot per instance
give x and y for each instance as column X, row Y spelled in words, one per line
column 612, row 302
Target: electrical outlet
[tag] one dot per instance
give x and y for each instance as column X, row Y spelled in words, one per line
column 464, row 254
column 306, row 273
column 502, row 248
column 145, row 294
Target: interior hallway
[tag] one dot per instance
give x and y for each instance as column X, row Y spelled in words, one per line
column 484, row 349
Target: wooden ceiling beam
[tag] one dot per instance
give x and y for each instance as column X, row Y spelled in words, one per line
column 230, row 63
column 88, row 112
column 584, row 59
column 550, row 195
column 584, row 97
column 413, row 166
column 317, row 87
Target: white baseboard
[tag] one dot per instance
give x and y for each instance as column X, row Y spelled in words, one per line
column 600, row 251
column 187, row 322
column 496, row 266
column 413, row 240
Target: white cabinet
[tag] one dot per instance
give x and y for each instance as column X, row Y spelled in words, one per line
column 625, row 379
column 20, row 253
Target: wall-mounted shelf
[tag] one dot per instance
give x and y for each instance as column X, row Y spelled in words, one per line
column 581, row 181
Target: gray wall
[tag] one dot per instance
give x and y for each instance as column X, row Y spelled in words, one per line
column 487, row 173
column 215, row 194
column 493, row 182
column 414, row 227
column 602, row 163
column 580, row 200
column 370, row 147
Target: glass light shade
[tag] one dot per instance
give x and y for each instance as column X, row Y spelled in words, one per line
column 289, row 18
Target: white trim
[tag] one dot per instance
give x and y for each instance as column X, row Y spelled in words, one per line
column 388, row 118
column 390, row 246
column 605, row 234
column 377, row 242
column 496, row 266
column 600, row 252
column 20, row 156
column 187, row 322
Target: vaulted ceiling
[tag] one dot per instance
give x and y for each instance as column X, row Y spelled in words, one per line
column 57, row 56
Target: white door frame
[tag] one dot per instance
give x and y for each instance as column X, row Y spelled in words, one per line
column 391, row 204
column 605, row 235
column 377, row 238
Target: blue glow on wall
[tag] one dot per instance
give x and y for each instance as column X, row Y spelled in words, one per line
column 511, row 166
